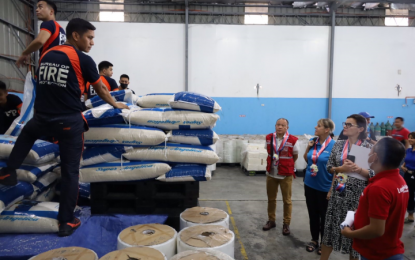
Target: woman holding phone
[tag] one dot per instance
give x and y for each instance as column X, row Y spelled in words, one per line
column 317, row 180
column 348, row 183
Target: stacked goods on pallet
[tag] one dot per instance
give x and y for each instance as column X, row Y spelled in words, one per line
column 35, row 176
column 254, row 157
column 167, row 147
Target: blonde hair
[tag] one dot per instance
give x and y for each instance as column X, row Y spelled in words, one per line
column 327, row 123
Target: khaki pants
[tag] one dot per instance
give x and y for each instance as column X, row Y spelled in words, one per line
column 272, row 190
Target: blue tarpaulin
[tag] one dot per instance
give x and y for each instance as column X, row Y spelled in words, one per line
column 97, row 232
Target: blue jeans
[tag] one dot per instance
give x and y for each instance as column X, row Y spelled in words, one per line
column 395, row 257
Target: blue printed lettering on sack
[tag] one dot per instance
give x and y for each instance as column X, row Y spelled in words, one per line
column 163, row 122
column 12, row 218
column 107, row 141
column 193, row 122
column 107, row 169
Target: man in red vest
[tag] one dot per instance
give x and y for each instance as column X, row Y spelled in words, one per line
column 282, row 153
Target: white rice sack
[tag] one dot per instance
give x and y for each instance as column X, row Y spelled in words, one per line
column 204, row 137
column 126, row 171
column 124, row 135
column 101, row 154
column 48, row 194
column 26, row 111
column 41, row 152
column 12, row 194
column 45, row 182
column 85, row 190
column 30, row 217
column 105, row 114
column 194, row 101
column 171, row 119
column 30, row 173
column 120, row 95
column 155, row 100
column 182, row 153
column 187, row 172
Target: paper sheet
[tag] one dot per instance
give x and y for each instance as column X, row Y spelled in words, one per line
column 361, row 154
column 348, row 222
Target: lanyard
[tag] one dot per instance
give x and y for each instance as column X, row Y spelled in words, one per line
column 282, row 145
column 323, row 147
column 346, row 150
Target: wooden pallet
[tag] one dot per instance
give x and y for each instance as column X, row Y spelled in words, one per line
column 253, row 173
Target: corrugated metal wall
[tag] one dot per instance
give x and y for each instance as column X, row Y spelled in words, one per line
column 9, row 44
column 222, row 14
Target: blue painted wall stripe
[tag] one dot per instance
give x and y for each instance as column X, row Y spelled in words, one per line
column 258, row 115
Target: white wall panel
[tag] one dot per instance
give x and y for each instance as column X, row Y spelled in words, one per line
column 367, row 60
column 151, row 54
column 288, row 61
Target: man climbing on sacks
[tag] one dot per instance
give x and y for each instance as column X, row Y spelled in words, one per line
column 63, row 71
column 282, row 151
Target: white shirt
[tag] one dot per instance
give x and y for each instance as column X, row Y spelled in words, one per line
column 274, row 169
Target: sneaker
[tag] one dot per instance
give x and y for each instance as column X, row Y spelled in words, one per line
column 67, row 229
column 8, row 177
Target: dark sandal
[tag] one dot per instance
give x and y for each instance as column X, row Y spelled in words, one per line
column 312, row 246
column 319, row 250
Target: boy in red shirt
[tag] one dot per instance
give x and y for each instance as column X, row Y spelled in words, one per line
column 380, row 216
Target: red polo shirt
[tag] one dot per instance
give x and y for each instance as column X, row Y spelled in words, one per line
column 386, row 197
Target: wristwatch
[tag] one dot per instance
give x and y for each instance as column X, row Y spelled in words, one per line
column 331, row 168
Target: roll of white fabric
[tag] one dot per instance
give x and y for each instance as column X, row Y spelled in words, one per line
column 69, row 253
column 206, row 237
column 203, row 216
column 157, row 236
column 201, row 254
column 143, row 253
column 122, row 171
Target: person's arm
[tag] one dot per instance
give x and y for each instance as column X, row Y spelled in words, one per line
column 310, row 144
column 376, row 228
column 296, row 150
column 406, row 144
column 85, row 97
column 403, row 167
column 104, row 94
column 35, row 45
column 113, row 84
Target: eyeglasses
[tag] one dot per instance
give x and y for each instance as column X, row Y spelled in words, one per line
column 348, row 125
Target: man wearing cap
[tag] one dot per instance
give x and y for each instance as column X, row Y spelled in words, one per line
column 371, row 137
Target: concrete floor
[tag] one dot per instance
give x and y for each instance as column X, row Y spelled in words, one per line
column 247, row 199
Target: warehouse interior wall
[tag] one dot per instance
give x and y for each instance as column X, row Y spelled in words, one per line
column 290, row 63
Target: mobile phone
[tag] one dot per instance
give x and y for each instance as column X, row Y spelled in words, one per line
column 351, row 158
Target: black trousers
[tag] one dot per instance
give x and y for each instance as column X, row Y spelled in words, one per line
column 68, row 130
column 410, row 181
column 317, row 204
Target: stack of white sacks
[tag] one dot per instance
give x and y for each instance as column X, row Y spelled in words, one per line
column 164, row 137
column 35, row 176
column 250, row 151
